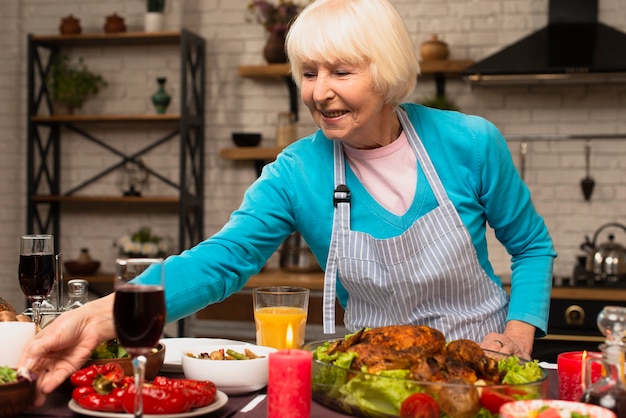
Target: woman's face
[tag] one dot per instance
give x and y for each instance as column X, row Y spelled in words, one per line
column 343, row 103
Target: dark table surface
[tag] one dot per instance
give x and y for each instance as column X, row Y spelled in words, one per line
column 57, row 404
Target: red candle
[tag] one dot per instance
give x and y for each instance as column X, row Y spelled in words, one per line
column 289, row 384
column 571, row 371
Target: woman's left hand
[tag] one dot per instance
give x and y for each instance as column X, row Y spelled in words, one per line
column 517, row 339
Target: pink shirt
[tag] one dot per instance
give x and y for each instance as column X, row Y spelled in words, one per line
column 388, row 173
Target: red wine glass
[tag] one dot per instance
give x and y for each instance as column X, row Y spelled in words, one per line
column 139, row 313
column 37, row 271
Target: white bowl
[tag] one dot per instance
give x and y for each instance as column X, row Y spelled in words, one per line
column 175, row 346
column 523, row 409
column 14, row 336
column 233, row 377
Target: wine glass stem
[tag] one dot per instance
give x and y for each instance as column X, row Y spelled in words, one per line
column 139, row 367
column 37, row 314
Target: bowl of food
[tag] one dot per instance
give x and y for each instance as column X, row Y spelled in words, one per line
column 391, row 371
column 111, row 351
column 234, row 368
column 17, row 391
column 541, row 408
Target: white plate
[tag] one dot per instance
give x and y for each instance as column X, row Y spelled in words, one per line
column 220, row 400
column 521, row 409
column 174, row 348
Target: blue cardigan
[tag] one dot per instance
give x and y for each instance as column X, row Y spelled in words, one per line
column 295, row 193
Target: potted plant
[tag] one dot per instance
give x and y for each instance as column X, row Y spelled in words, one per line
column 70, row 84
column 154, row 15
column 275, row 18
column 440, row 102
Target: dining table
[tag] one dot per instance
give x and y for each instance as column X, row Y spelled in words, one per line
column 57, row 404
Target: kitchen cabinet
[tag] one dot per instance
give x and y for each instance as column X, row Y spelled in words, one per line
column 46, row 200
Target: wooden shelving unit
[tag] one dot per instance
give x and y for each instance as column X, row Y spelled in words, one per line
column 47, row 199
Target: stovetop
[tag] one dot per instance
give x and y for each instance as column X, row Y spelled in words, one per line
column 588, row 279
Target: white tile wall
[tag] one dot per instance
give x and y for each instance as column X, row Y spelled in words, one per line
column 473, row 29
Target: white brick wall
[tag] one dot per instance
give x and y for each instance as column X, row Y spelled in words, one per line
column 473, row 29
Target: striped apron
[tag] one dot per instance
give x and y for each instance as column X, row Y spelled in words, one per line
column 429, row 275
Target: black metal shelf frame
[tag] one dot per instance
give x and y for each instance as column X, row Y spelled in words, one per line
column 44, row 156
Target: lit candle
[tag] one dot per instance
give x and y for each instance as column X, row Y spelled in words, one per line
column 289, row 384
column 571, row 368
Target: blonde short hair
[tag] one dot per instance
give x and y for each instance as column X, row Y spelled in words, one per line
column 356, row 32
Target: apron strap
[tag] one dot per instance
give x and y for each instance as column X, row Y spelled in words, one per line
column 341, row 202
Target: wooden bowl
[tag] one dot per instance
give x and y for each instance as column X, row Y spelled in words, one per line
column 82, row 269
column 15, row 397
column 153, row 364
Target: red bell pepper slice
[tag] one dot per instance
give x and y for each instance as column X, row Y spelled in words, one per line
column 202, row 392
column 111, row 402
column 158, row 399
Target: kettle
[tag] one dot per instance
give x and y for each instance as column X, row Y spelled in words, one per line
column 608, row 260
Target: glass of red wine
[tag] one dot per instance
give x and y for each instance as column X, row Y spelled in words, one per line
column 37, row 271
column 139, row 313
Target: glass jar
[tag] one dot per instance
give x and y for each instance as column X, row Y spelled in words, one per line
column 285, row 129
column 610, row 390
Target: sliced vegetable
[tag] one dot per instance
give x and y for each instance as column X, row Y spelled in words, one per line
column 549, row 413
column 493, row 400
column 419, row 405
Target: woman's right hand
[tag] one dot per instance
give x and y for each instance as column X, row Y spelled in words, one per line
column 63, row 346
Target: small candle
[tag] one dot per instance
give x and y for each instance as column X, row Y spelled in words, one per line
column 289, row 384
column 571, row 371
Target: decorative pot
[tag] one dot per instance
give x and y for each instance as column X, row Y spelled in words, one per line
column 434, row 49
column 161, row 99
column 60, row 108
column 70, row 26
column 274, row 51
column 153, row 22
column 114, row 24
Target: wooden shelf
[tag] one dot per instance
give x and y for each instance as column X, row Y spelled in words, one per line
column 264, row 71
column 117, row 39
column 282, row 70
column 250, row 153
column 444, row 66
column 107, row 199
column 106, row 118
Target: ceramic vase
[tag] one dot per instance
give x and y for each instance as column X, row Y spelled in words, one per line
column 161, row 99
column 274, row 51
column 434, row 49
column 70, row 26
column 153, row 22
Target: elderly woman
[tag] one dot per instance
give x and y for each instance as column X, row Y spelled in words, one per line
column 392, row 198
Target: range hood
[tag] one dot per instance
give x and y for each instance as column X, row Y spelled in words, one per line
column 573, row 48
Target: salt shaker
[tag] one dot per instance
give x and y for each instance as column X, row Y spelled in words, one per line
column 78, row 293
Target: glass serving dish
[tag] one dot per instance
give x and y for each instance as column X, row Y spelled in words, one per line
column 363, row 394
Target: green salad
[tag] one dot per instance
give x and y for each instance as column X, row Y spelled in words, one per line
column 109, row 349
column 7, row 375
column 380, row 397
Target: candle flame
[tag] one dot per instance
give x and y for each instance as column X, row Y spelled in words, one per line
column 289, row 337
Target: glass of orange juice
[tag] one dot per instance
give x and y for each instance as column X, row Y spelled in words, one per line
column 280, row 314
